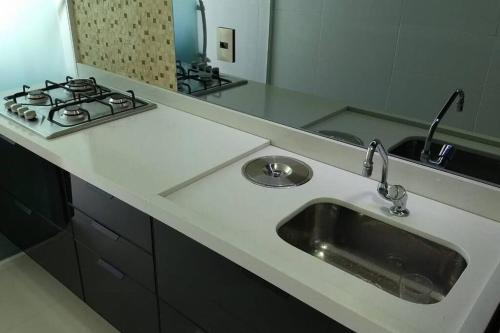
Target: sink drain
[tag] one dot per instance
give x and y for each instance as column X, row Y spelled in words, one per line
column 277, row 171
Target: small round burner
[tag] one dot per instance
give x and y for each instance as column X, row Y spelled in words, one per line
column 119, row 101
column 80, row 85
column 37, row 96
column 73, row 112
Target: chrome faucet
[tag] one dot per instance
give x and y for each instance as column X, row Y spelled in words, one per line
column 446, row 150
column 394, row 193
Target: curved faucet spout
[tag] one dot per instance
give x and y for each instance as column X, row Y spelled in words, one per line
column 394, row 193
column 426, row 152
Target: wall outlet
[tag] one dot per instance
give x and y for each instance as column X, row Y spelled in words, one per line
column 226, row 44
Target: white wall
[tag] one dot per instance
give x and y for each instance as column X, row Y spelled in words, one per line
column 398, row 56
column 36, row 43
column 251, row 19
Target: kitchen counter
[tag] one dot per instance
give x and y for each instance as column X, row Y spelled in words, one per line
column 186, row 172
column 155, row 151
column 282, row 106
column 248, row 230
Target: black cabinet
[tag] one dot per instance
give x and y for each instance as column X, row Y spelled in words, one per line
column 32, row 180
column 50, row 246
column 220, row 296
column 174, row 322
column 124, row 303
column 127, row 257
column 109, row 211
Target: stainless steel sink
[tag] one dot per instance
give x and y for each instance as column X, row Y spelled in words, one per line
column 466, row 162
column 374, row 251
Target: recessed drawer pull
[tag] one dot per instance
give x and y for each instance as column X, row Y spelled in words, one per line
column 105, row 231
column 99, row 191
column 108, row 267
column 22, row 207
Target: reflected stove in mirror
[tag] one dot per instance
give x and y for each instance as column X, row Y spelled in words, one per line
column 200, row 79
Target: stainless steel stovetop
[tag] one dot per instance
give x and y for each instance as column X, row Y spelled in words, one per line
column 61, row 108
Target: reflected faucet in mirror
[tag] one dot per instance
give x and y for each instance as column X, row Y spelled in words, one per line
column 394, row 193
column 447, row 150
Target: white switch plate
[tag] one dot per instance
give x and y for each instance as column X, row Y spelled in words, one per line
column 226, row 44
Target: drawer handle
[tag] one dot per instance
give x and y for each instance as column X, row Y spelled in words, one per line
column 105, row 231
column 111, row 269
column 22, row 207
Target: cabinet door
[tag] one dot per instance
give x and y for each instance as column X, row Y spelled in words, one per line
column 38, row 184
column 220, row 296
column 6, row 149
column 125, row 304
column 51, row 247
column 174, row 322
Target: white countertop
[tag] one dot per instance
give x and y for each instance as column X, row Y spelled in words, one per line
column 185, row 172
column 245, row 217
column 155, row 151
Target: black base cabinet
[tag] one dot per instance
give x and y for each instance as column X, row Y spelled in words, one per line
column 50, row 246
column 174, row 322
column 125, row 304
column 220, row 296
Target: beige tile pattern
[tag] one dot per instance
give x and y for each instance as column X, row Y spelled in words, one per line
column 31, row 300
column 134, row 38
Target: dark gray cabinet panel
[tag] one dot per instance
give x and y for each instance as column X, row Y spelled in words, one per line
column 220, row 296
column 32, row 180
column 129, row 258
column 174, row 322
column 111, row 212
column 127, row 305
column 50, row 246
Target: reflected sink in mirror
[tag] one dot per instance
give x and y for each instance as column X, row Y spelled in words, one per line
column 466, row 162
column 372, row 250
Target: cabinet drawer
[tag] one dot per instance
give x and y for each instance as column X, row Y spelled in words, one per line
column 221, row 296
column 127, row 257
column 116, row 215
column 125, row 304
column 173, row 322
column 51, row 247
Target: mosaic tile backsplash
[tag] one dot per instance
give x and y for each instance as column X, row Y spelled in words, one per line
column 134, row 38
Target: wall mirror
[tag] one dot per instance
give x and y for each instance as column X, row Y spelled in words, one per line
column 355, row 70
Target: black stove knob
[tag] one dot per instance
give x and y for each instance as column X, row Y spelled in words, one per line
column 202, row 67
column 208, row 69
column 194, row 65
column 215, row 71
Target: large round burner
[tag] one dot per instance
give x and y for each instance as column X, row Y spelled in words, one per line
column 37, row 96
column 80, row 85
column 119, row 101
column 73, row 112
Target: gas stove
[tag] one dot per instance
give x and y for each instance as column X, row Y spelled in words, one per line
column 61, row 108
column 200, row 79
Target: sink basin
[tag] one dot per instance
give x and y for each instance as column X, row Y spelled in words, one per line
column 466, row 162
column 374, row 251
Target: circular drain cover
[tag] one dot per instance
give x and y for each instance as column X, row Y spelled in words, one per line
column 277, row 171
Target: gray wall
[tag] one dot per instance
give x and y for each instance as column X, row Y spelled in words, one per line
column 398, row 56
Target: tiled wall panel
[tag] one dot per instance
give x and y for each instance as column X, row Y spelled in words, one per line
column 134, row 38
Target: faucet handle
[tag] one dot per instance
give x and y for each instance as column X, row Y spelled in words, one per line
column 399, row 197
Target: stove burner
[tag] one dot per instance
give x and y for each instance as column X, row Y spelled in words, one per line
column 80, row 85
column 37, row 96
column 73, row 112
column 119, row 101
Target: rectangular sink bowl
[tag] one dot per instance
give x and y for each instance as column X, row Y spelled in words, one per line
column 466, row 162
column 372, row 250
